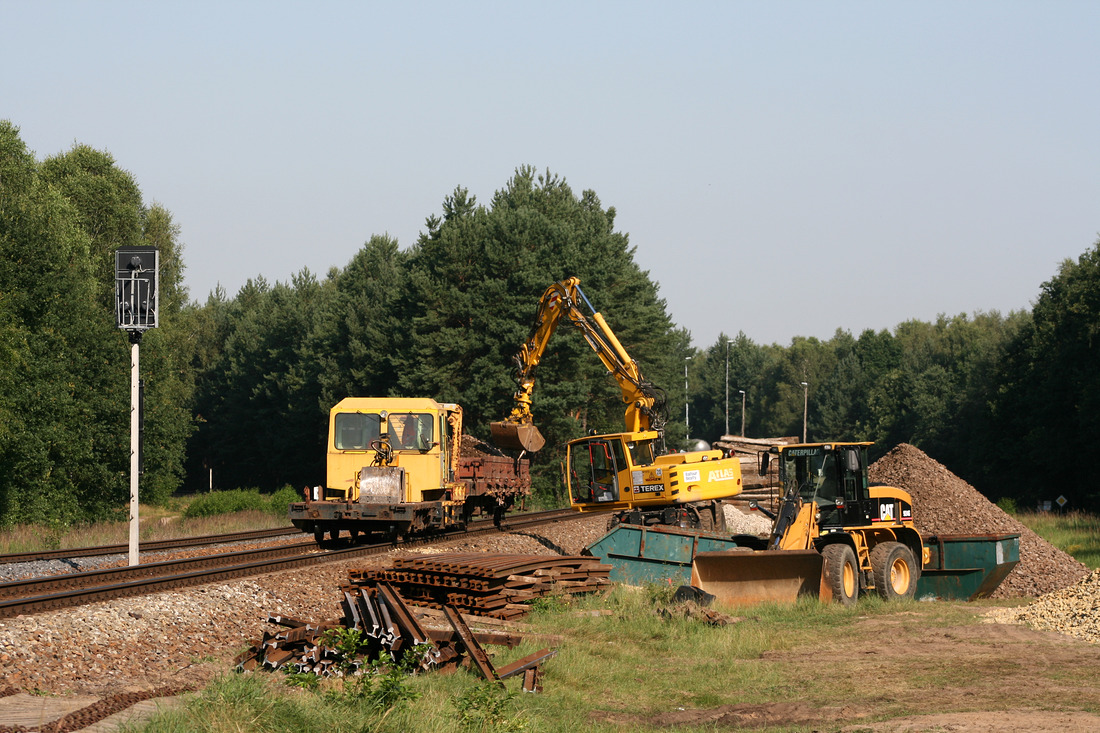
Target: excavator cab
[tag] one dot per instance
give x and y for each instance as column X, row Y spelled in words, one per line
column 594, row 470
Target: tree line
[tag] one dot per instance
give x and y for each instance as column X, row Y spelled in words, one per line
column 238, row 388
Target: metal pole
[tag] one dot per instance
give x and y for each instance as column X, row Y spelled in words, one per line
column 742, row 412
column 805, row 407
column 135, row 432
column 728, row 390
column 687, row 424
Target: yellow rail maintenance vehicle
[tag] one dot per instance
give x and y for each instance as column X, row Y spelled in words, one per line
column 395, row 466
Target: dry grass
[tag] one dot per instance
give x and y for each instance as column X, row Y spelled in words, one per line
column 157, row 523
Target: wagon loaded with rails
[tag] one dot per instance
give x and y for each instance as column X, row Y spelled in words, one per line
column 398, row 466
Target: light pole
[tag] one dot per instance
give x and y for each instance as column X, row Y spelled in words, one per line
column 805, row 407
column 687, row 424
column 742, row 412
column 728, row 390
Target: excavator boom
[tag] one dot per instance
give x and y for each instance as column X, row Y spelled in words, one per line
column 561, row 300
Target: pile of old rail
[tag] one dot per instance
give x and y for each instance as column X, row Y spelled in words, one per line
column 388, row 625
column 498, row 586
column 55, row 592
column 148, row 546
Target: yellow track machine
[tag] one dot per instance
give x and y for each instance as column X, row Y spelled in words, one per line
column 630, row 474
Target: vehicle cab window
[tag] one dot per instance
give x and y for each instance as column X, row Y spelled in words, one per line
column 641, row 452
column 356, row 430
column 594, row 469
column 411, row 431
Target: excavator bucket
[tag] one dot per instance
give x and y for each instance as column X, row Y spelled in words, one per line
column 515, row 436
column 743, row 578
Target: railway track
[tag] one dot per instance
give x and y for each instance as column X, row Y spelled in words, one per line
column 72, row 589
column 149, row 546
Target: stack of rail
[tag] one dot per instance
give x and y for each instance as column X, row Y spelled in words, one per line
column 498, row 586
column 388, row 627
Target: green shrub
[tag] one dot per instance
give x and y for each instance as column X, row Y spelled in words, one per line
column 280, row 501
column 1008, row 505
column 226, row 502
column 241, row 500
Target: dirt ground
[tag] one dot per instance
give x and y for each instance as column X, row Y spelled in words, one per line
column 907, row 675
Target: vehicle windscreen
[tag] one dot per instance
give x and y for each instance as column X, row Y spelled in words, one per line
column 641, row 452
column 356, row 430
column 411, row 431
column 813, row 471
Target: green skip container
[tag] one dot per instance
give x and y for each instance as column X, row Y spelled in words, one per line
column 640, row 555
column 964, row 567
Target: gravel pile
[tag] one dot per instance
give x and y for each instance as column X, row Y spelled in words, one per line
column 945, row 504
column 1074, row 610
column 739, row 522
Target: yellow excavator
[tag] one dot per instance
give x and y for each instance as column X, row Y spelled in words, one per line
column 629, row 474
column 834, row 535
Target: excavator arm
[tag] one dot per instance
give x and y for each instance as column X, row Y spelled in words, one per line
column 645, row 402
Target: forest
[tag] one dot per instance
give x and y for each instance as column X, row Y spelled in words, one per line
column 238, row 388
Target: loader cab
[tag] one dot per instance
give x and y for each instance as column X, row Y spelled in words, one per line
column 832, row 475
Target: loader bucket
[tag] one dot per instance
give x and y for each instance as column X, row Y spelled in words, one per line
column 743, row 578
column 514, row 436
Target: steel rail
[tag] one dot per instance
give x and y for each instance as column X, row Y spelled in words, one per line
column 73, row 589
column 149, row 546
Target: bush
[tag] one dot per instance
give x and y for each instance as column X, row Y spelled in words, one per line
column 280, row 501
column 240, row 500
column 1008, row 505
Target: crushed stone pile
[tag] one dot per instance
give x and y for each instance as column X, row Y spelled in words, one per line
column 739, row 522
column 1074, row 610
column 945, row 504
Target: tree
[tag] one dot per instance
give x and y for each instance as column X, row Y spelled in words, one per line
column 356, row 342
column 61, row 456
column 1049, row 400
column 166, row 366
column 262, row 423
column 474, row 280
column 108, row 206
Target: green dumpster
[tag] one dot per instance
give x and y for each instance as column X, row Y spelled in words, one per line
column 662, row 554
column 967, row 566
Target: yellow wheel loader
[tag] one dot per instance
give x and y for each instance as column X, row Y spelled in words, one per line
column 630, row 474
column 834, row 535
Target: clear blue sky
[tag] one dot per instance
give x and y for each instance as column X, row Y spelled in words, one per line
column 783, row 168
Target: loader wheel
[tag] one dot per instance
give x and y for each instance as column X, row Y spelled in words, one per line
column 895, row 571
column 841, row 573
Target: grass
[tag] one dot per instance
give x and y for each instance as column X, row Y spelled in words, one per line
column 611, row 673
column 1075, row 533
column 157, row 523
